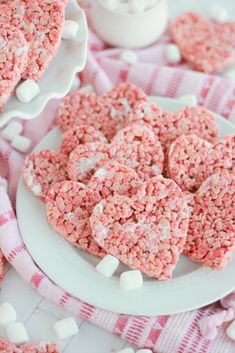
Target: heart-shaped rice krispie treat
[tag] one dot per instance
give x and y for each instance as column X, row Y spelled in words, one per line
column 43, row 169
column 106, row 113
column 192, row 160
column 13, row 58
column 40, row 347
column 12, row 12
column 114, row 178
column 168, row 126
column 42, row 26
column 206, row 46
column 68, row 207
column 137, row 147
column 211, row 233
column 147, row 231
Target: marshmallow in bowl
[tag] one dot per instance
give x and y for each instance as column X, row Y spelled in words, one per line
column 189, row 100
column 107, row 266
column 21, row 143
column 70, row 30
column 27, row 91
column 130, row 280
column 129, row 6
column 13, row 129
column 173, row 54
column 218, row 14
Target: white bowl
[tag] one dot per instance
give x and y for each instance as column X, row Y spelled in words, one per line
column 58, row 79
column 129, row 30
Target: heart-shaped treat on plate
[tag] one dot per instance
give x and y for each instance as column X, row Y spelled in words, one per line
column 192, row 160
column 206, row 46
column 147, row 231
column 106, row 113
column 43, row 169
column 13, row 58
column 168, row 126
column 12, row 12
column 68, row 207
column 42, row 26
column 137, row 147
column 211, row 234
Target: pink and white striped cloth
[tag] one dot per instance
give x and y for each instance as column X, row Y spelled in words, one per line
column 163, row 334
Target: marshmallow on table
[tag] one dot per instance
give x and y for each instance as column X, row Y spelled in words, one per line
column 129, row 56
column 231, row 331
column 7, row 314
column 218, row 14
column 17, row 333
column 131, row 280
column 66, row 328
column 137, row 6
column 144, row 351
column 27, row 91
column 190, row 100
column 11, row 130
column 107, row 266
column 21, row 143
column 127, row 350
column 173, row 54
column 70, row 29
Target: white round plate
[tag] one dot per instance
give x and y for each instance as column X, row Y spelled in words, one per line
column 58, row 79
column 191, row 287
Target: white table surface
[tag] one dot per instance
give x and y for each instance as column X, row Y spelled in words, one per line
column 37, row 313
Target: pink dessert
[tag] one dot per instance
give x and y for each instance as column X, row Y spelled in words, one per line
column 137, row 147
column 12, row 12
column 68, row 207
column 147, row 231
column 43, row 169
column 40, row 347
column 211, row 234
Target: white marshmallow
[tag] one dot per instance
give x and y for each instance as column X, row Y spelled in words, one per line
column 7, row 314
column 111, row 5
column 218, row 14
column 27, row 91
column 76, row 84
column 66, row 328
column 127, row 350
column 230, row 74
column 137, row 6
column 70, row 29
column 144, row 351
column 107, row 266
column 17, row 333
column 21, row 143
column 87, row 89
column 173, row 54
column 129, row 56
column 231, row 331
column 4, row 183
column 131, row 280
column 11, row 130
column 190, row 100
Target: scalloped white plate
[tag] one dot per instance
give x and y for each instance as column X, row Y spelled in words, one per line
column 191, row 287
column 57, row 80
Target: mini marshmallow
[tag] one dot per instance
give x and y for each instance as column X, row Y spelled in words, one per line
column 190, row 100
column 87, row 89
column 129, row 56
column 7, row 314
column 107, row 266
column 4, row 183
column 111, row 5
column 21, row 143
column 173, row 54
column 230, row 74
column 11, row 130
column 76, row 84
column 127, row 350
column 70, row 29
column 131, row 280
column 144, row 351
column 66, row 328
column 27, row 91
column 17, row 333
column 218, row 14
column 137, row 6
column 231, row 331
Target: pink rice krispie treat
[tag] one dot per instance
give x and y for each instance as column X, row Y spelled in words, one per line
column 43, row 169
column 206, row 46
column 137, row 147
column 168, row 126
column 211, row 234
column 42, row 26
column 106, row 113
column 12, row 12
column 114, row 178
column 13, row 57
column 68, row 207
column 2, row 262
column 41, row 347
column 147, row 231
column 85, row 159
column 79, row 135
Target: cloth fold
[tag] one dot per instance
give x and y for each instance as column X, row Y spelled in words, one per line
column 163, row 334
